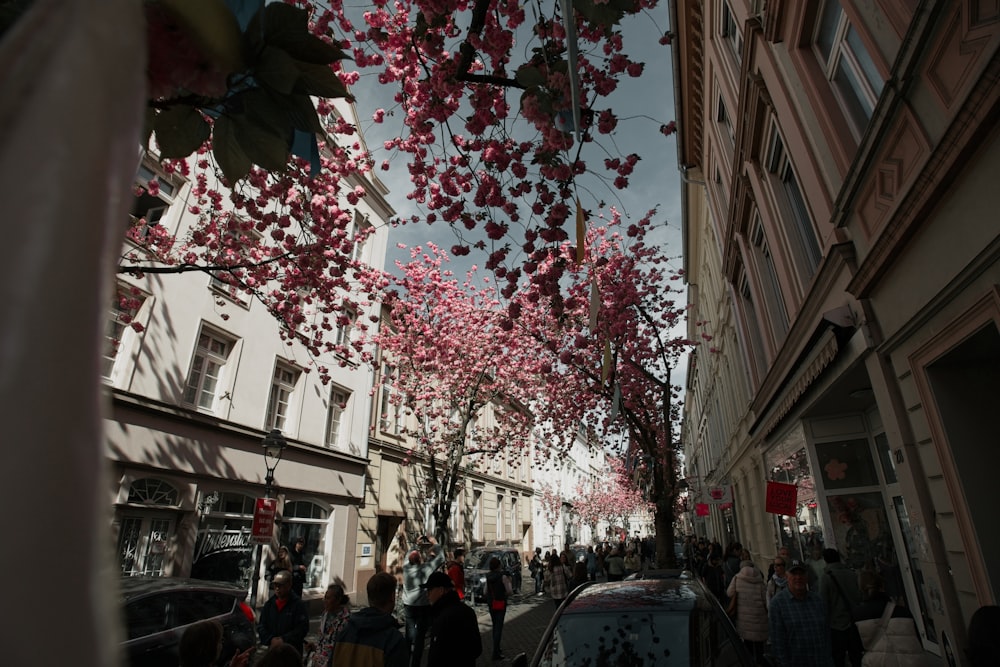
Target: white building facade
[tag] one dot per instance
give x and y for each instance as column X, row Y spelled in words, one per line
column 194, row 393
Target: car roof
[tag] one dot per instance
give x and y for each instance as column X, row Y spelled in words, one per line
column 132, row 587
column 663, row 594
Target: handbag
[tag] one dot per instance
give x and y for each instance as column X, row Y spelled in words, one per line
column 731, row 608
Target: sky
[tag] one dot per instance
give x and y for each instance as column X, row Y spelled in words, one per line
column 642, row 104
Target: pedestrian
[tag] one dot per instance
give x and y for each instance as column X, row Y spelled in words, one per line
column 839, row 589
column 632, row 562
column 281, row 562
column 336, row 611
column 456, row 570
column 282, row 655
column 498, row 591
column 799, row 634
column 557, row 578
column 887, row 629
column 371, row 635
column 777, row 582
column 785, row 555
column 579, row 573
column 615, row 565
column 201, row 645
column 984, row 637
column 415, row 603
column 453, row 638
column 748, row 602
column 537, row 569
column 591, row 564
column 732, row 563
column 714, row 578
column 298, row 558
column 284, row 618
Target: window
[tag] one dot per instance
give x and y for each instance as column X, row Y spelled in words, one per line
column 751, row 323
column 722, row 116
column 345, row 325
column 731, row 32
column 362, row 230
column 207, row 367
column 236, row 244
column 339, row 399
column 477, row 514
column 390, row 408
column 847, row 64
column 282, row 387
column 155, row 193
column 515, row 528
column 802, row 236
column 500, row 517
column 124, row 307
column 768, row 278
column 308, row 520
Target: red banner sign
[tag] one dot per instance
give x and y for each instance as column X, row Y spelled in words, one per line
column 263, row 520
column 781, row 498
column 701, row 509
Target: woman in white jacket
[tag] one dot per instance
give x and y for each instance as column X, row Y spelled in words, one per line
column 887, row 630
column 749, row 600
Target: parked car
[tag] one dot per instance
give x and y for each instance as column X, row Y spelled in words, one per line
column 159, row 609
column 669, row 621
column 477, row 566
column 659, row 574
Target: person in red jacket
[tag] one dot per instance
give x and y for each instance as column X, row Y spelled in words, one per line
column 456, row 571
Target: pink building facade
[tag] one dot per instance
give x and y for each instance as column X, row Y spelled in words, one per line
column 841, row 217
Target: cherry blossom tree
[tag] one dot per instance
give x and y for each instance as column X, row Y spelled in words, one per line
column 614, row 499
column 468, row 383
column 552, row 504
column 612, row 345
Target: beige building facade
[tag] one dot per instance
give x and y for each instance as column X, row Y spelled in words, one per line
column 841, row 222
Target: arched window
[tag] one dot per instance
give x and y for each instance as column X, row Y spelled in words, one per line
column 150, row 491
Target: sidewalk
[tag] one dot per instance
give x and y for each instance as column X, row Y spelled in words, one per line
column 527, row 617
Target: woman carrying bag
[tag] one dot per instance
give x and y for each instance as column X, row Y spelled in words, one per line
column 748, row 601
column 890, row 639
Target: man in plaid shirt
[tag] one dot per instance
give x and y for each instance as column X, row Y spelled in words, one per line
column 800, row 636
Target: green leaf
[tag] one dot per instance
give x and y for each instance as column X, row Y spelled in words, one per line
column 303, row 114
column 287, row 28
column 269, row 110
column 228, row 155
column 321, row 81
column 529, row 75
column 277, row 70
column 261, row 144
column 214, row 27
column 180, row 131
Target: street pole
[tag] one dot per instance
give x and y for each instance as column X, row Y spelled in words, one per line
column 274, row 444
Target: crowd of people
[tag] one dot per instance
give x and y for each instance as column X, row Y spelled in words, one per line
column 813, row 613
column 819, row 612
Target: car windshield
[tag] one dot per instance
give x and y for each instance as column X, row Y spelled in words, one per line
column 481, row 559
column 640, row 638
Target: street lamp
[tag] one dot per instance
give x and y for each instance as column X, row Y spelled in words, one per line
column 274, row 444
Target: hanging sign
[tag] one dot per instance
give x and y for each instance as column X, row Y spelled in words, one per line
column 263, row 520
column 719, row 495
column 781, row 498
column 701, row 509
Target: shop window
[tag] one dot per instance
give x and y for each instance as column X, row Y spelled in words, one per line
column 223, row 551
column 307, row 520
column 847, row 464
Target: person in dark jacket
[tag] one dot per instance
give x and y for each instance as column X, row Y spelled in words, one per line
column 284, row 618
column 298, row 559
column 453, row 637
column 498, row 589
column 372, row 637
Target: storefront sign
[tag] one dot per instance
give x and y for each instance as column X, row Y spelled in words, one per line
column 701, row 509
column 719, row 495
column 263, row 520
column 781, row 498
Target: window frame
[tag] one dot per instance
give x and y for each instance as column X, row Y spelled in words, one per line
column 333, row 436
column 222, row 377
column 284, row 384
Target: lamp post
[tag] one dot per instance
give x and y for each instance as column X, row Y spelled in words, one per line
column 274, row 444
